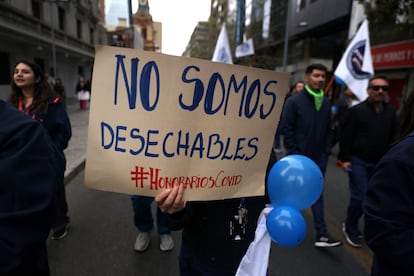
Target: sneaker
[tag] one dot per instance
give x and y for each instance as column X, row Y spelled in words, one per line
column 326, row 240
column 59, row 233
column 166, row 242
column 142, row 242
column 353, row 241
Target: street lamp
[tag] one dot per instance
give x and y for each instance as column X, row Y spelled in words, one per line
column 286, row 46
column 52, row 28
column 52, row 32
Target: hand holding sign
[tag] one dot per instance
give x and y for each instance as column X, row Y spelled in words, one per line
column 171, row 201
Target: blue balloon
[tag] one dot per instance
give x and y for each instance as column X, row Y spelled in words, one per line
column 286, row 226
column 295, row 181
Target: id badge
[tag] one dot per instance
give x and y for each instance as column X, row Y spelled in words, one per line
column 238, row 224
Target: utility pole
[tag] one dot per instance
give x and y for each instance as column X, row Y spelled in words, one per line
column 287, row 34
column 52, row 33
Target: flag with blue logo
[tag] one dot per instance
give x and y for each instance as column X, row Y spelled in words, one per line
column 245, row 49
column 356, row 68
column 222, row 51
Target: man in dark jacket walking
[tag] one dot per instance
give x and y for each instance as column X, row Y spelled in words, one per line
column 308, row 131
column 368, row 132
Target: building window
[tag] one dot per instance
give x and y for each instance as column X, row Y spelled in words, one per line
column 300, row 5
column 80, row 71
column 36, row 9
column 4, row 68
column 266, row 18
column 91, row 36
column 61, row 18
column 79, row 29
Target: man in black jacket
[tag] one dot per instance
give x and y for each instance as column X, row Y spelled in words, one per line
column 389, row 203
column 308, row 132
column 368, row 132
column 28, row 177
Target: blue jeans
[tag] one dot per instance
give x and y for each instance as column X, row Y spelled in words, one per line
column 319, row 216
column 318, row 208
column 358, row 184
column 143, row 220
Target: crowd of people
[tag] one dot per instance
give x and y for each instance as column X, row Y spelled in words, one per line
column 375, row 151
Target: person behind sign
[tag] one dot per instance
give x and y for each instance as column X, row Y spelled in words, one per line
column 28, row 181
column 307, row 131
column 60, row 89
column 389, row 203
column 32, row 95
column 298, row 86
column 367, row 134
column 215, row 234
column 83, row 93
column 340, row 111
column 50, row 80
column 143, row 220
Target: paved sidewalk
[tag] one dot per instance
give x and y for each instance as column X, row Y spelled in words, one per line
column 76, row 150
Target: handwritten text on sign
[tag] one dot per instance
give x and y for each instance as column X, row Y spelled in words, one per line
column 157, row 121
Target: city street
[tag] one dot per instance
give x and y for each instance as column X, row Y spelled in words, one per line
column 102, row 235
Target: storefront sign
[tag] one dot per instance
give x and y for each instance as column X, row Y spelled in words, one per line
column 394, row 55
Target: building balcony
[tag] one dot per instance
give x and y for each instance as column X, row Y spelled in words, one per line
column 17, row 25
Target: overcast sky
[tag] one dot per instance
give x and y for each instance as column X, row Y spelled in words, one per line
column 178, row 18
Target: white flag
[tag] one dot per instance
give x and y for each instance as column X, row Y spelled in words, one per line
column 222, row 51
column 245, row 49
column 355, row 68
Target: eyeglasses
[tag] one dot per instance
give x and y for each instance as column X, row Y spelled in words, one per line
column 378, row 87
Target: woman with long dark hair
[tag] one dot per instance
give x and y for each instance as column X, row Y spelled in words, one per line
column 32, row 94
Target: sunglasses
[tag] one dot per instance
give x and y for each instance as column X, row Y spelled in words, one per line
column 378, row 87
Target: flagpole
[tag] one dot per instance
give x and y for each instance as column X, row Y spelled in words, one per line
column 329, row 84
column 286, row 44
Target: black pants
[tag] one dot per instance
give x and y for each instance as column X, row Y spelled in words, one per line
column 60, row 206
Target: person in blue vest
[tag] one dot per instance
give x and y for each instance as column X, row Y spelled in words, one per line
column 32, row 95
column 389, row 203
column 27, row 187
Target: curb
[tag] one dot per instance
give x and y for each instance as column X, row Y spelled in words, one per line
column 74, row 169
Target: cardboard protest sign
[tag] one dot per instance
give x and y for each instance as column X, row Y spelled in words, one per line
column 157, row 121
